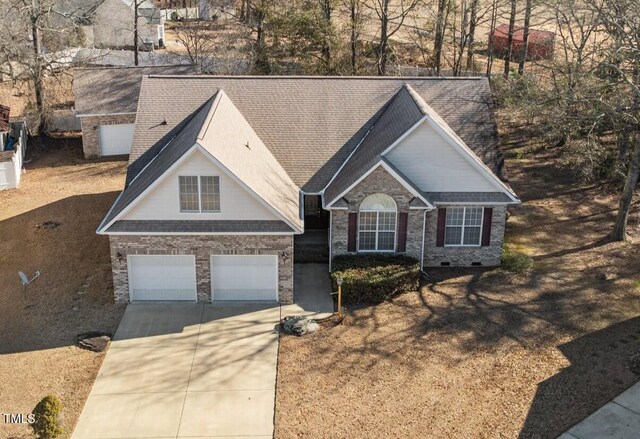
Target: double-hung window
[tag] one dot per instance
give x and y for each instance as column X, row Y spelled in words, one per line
column 199, row 194
column 463, row 226
column 377, row 224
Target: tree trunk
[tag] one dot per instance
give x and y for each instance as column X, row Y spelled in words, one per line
column 473, row 22
column 353, row 6
column 512, row 25
column 38, row 70
column 525, row 37
column 326, row 42
column 619, row 232
column 492, row 30
column 135, row 33
column 384, row 39
column 439, row 36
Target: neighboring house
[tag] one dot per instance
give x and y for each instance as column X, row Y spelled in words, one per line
column 13, row 146
column 106, row 100
column 225, row 171
column 109, row 23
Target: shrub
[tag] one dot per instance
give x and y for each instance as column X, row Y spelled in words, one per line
column 374, row 278
column 515, row 261
column 47, row 418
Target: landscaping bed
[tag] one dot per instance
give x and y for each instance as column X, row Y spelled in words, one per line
column 374, row 278
column 48, row 225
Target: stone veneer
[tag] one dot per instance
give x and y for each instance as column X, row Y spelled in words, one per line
column 380, row 181
column 203, row 247
column 91, row 132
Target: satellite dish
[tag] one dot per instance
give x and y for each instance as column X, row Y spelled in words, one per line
column 25, row 283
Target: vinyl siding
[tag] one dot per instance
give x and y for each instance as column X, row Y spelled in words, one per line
column 431, row 163
column 163, row 202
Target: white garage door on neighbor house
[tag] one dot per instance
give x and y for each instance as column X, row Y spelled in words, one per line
column 162, row 277
column 244, row 277
column 116, row 139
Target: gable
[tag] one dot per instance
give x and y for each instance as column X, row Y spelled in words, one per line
column 434, row 165
column 162, row 203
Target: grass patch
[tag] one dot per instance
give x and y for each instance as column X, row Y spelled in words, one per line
column 374, row 278
column 515, row 261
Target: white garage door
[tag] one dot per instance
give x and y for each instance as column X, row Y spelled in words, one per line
column 116, row 139
column 162, row 277
column 244, row 277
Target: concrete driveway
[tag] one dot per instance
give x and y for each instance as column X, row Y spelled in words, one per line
column 187, row 370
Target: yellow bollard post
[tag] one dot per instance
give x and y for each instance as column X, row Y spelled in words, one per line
column 339, row 282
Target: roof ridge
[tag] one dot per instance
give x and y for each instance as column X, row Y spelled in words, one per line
column 335, row 78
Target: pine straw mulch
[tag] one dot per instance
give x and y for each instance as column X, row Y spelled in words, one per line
column 482, row 352
column 49, row 224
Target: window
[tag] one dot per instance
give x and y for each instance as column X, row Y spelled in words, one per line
column 189, row 194
column 199, row 194
column 210, row 194
column 463, row 226
column 377, row 224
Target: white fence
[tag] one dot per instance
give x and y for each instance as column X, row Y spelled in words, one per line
column 11, row 162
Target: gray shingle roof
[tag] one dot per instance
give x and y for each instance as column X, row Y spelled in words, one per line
column 199, row 226
column 116, row 89
column 222, row 131
column 467, row 197
column 173, row 146
column 398, row 116
column 312, row 124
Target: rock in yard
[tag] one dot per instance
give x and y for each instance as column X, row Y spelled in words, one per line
column 94, row 341
column 299, row 325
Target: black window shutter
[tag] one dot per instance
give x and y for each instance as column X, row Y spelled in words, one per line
column 352, row 232
column 486, row 226
column 442, row 220
column 403, row 219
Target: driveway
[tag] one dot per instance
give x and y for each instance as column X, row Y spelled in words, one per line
column 187, row 370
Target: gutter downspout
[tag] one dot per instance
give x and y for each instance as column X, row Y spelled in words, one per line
column 424, row 230
column 330, row 236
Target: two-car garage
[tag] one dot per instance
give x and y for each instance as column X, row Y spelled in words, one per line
column 173, row 277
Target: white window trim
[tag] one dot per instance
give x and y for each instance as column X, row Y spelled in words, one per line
column 377, row 231
column 464, row 218
column 208, row 212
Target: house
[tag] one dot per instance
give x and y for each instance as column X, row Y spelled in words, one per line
column 224, row 172
column 106, row 100
column 540, row 45
column 109, row 23
column 13, row 146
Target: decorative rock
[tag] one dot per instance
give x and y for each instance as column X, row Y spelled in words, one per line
column 299, row 325
column 93, row 341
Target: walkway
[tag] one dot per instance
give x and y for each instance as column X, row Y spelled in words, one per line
column 311, row 291
column 619, row 419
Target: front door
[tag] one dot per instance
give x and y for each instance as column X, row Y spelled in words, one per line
column 315, row 217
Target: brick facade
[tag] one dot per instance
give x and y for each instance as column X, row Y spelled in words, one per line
column 465, row 256
column 91, row 132
column 203, row 247
column 380, row 181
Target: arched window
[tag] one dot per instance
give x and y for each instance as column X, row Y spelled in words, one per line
column 377, row 224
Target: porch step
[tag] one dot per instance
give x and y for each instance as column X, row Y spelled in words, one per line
column 310, row 253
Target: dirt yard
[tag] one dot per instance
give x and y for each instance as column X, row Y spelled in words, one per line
column 49, row 224
column 483, row 353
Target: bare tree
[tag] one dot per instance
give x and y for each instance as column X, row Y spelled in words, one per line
column 512, row 25
column 196, row 37
column 525, row 37
column 391, row 16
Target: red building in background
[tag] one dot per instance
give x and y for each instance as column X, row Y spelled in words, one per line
column 540, row 46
